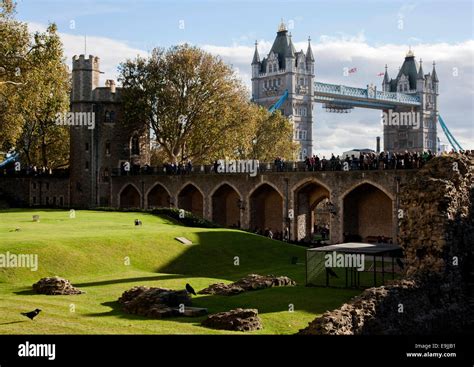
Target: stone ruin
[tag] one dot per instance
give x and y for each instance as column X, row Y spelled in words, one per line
column 437, row 236
column 158, row 302
column 55, row 286
column 248, row 283
column 236, row 320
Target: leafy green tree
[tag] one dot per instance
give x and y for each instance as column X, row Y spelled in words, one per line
column 197, row 108
column 42, row 141
column 14, row 50
column 34, row 87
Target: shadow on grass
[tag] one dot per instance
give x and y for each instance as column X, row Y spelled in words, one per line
column 271, row 300
column 115, row 310
column 126, row 280
column 233, row 254
column 26, row 292
column 30, row 292
column 12, row 322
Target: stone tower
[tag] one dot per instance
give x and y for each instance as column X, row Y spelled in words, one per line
column 412, row 80
column 96, row 153
column 283, row 69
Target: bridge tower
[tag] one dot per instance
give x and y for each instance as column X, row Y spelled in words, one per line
column 412, row 80
column 282, row 69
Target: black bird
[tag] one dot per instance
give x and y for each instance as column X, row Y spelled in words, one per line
column 31, row 315
column 190, row 289
column 400, row 263
column 331, row 273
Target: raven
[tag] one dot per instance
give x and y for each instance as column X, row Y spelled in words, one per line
column 190, row 289
column 31, row 315
column 331, row 273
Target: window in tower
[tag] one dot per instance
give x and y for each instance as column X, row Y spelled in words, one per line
column 135, row 149
column 106, row 175
column 107, row 148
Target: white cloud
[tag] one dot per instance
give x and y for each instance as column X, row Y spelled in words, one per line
column 110, row 51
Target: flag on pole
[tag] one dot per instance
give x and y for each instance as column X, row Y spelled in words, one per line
column 381, row 74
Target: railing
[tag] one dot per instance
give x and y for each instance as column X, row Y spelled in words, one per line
column 56, row 173
column 342, row 90
column 327, row 166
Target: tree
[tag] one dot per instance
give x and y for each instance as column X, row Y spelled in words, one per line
column 196, row 106
column 14, row 50
column 34, row 87
column 273, row 136
column 42, row 141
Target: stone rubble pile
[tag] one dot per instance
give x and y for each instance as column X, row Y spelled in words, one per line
column 55, row 286
column 236, row 320
column 154, row 302
column 248, row 283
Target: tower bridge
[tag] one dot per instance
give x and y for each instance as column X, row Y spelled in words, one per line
column 370, row 97
column 286, row 79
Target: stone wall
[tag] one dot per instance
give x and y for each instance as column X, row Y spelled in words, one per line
column 437, row 236
column 288, row 186
column 35, row 191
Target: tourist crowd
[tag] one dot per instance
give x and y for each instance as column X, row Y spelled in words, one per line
column 369, row 161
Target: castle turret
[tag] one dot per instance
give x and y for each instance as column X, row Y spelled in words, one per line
column 97, row 149
column 434, row 78
column 420, row 79
column 255, row 62
column 284, row 69
column 386, row 81
column 421, row 134
column 85, row 77
column 309, row 57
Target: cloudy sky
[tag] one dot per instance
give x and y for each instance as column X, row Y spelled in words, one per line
column 364, row 34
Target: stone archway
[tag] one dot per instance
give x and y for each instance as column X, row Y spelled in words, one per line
column 158, row 197
column 309, row 198
column 191, row 199
column 130, row 197
column 266, row 209
column 226, row 204
column 367, row 214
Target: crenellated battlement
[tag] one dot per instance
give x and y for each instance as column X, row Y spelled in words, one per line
column 80, row 62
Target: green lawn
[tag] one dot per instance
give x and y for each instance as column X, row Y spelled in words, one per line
column 104, row 254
